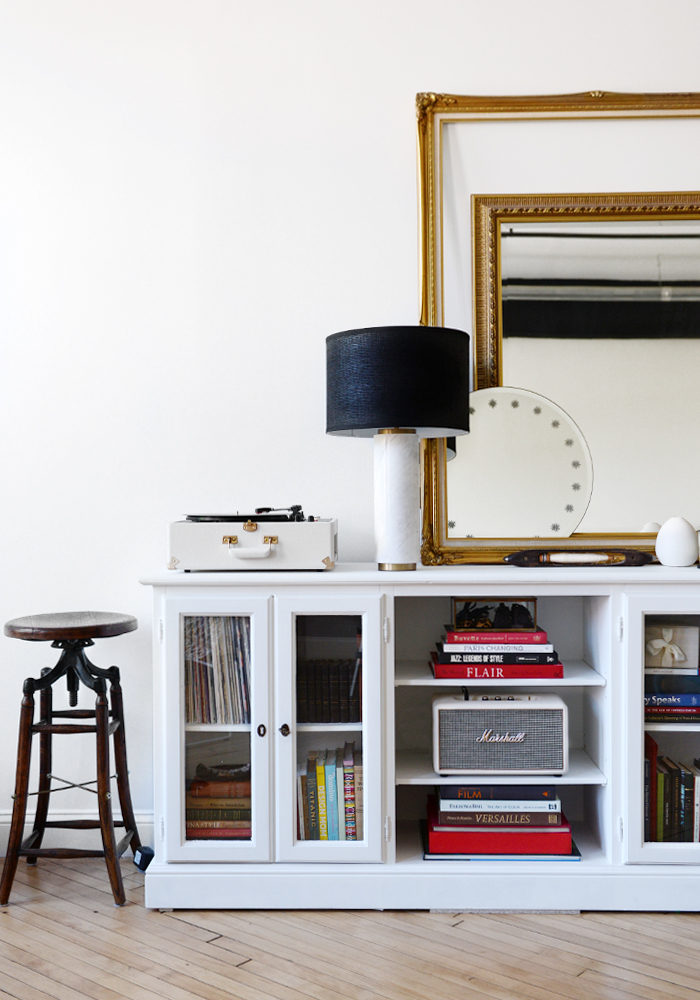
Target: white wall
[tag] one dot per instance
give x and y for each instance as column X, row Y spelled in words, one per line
column 193, row 195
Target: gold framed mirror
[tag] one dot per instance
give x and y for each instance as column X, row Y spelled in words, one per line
column 629, row 159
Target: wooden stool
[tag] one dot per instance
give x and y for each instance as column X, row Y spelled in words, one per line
column 71, row 632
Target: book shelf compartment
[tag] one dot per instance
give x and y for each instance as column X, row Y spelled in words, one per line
column 569, row 624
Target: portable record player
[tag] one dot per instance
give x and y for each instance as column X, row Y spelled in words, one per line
column 268, row 539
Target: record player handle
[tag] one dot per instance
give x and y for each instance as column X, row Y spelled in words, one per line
column 262, row 552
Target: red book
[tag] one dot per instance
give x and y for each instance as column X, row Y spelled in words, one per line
column 216, row 833
column 206, row 788
column 498, row 840
column 496, row 671
column 485, row 635
column 672, row 710
column 651, row 752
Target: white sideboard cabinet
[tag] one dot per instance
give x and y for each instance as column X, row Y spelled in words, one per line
column 293, row 741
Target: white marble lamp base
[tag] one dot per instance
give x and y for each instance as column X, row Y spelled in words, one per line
column 396, row 499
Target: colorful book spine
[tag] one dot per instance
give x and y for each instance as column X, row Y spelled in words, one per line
column 331, row 796
column 493, row 658
column 473, row 671
column 487, row 636
column 651, row 752
column 219, row 824
column 220, row 833
column 205, row 788
column 498, row 647
column 672, row 710
column 302, row 806
column 313, row 828
column 321, row 793
column 473, row 792
column 672, row 700
column 340, row 793
column 472, row 820
column 193, row 813
column 349, row 791
column 217, row 802
column 459, row 808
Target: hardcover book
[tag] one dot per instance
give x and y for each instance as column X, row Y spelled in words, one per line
column 496, row 817
column 497, row 840
column 477, row 792
column 488, row 658
column 498, row 647
column 494, row 671
column 456, row 807
column 490, row 636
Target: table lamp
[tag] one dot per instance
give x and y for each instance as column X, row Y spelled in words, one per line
column 397, row 384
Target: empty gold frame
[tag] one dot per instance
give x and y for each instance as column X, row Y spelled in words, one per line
column 476, row 156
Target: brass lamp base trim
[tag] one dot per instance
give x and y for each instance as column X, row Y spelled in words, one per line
column 396, row 566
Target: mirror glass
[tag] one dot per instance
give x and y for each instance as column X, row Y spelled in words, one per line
column 604, row 318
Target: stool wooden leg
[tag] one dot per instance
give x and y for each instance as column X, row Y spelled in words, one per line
column 44, row 789
column 104, row 795
column 19, row 809
column 122, row 770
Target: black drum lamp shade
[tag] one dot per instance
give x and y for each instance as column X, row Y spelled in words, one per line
column 398, row 376
column 397, row 384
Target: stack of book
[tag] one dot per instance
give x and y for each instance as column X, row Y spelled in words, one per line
column 330, row 795
column 329, row 690
column 500, row 821
column 489, row 654
column 218, row 804
column 671, row 796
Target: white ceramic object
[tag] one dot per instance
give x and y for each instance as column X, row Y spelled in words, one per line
column 677, row 543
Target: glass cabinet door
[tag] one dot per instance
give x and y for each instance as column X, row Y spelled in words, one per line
column 664, row 726
column 218, row 799
column 328, row 683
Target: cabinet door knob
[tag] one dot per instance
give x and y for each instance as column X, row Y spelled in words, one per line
column 261, row 730
column 284, row 729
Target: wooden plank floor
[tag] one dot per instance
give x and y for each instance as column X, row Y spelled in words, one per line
column 61, row 937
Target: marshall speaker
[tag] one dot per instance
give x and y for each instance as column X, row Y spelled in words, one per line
column 504, row 733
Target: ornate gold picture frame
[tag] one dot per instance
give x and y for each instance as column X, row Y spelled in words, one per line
column 446, row 189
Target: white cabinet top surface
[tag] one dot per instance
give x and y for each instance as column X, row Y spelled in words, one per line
column 364, row 574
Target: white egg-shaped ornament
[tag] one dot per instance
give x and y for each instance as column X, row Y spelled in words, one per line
column 677, row 543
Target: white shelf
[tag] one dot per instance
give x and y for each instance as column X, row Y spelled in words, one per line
column 409, row 852
column 577, row 673
column 414, row 767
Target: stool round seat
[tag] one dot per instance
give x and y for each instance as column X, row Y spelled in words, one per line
column 67, row 625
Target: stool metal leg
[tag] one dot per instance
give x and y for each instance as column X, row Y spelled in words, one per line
column 19, row 809
column 104, row 799
column 45, row 764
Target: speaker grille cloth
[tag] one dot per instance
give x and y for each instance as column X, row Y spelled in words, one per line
column 543, row 746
